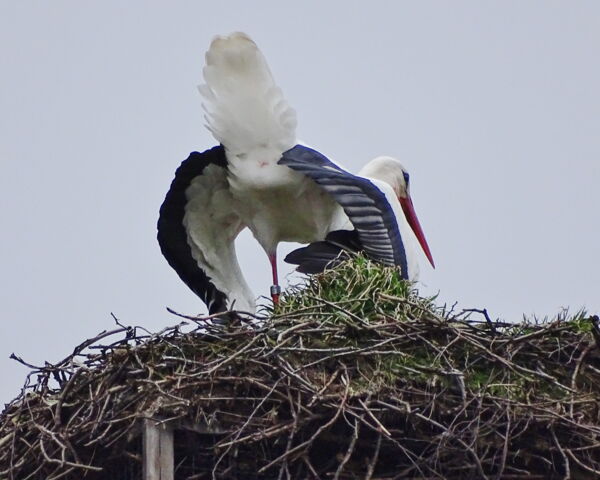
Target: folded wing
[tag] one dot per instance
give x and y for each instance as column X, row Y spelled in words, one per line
column 318, row 256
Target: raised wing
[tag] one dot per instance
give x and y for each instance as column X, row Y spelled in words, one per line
column 197, row 227
column 363, row 202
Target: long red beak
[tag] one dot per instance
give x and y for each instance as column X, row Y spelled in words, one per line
column 413, row 221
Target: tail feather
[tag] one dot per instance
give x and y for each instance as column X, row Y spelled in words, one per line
column 244, row 107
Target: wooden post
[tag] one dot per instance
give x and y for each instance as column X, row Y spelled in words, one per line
column 159, row 461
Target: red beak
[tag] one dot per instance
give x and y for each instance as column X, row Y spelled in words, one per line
column 413, row 221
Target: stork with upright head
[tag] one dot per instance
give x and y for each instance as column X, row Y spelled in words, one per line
column 260, row 177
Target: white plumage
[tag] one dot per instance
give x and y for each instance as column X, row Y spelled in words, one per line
column 245, row 110
column 248, row 115
column 253, row 187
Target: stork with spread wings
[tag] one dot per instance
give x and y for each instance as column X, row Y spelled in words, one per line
column 262, row 178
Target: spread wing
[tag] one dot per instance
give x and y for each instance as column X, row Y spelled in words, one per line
column 365, row 204
column 197, row 227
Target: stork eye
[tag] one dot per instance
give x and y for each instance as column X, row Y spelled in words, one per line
column 406, row 177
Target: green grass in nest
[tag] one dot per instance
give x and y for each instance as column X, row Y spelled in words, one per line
column 360, row 302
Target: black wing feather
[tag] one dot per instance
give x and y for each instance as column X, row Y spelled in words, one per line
column 366, row 205
column 328, row 253
column 172, row 236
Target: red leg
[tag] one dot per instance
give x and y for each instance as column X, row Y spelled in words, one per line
column 275, row 288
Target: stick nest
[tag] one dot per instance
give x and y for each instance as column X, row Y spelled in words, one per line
column 354, row 376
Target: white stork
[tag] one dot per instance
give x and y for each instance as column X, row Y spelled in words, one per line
column 260, row 177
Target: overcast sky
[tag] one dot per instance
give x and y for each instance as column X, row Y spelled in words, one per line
column 493, row 106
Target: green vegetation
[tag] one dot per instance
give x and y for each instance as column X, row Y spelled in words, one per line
column 354, row 375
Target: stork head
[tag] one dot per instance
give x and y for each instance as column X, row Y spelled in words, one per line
column 391, row 171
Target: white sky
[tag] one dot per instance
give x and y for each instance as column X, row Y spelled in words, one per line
column 493, row 106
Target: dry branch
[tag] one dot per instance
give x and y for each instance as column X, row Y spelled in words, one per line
column 355, row 376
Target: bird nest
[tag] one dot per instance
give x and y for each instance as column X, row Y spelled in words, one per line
column 353, row 376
